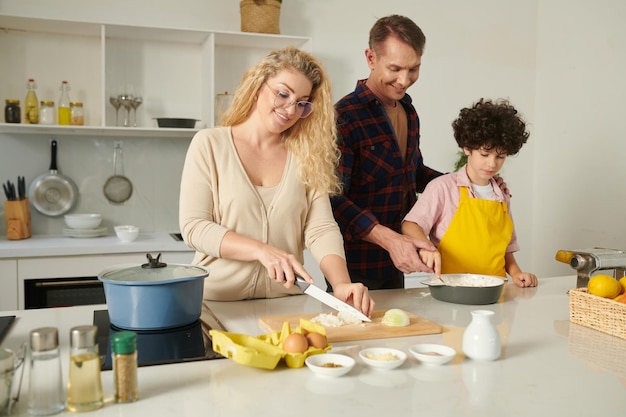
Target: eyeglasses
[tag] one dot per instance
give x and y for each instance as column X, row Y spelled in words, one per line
column 283, row 100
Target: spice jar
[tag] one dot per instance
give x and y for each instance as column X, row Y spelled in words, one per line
column 124, row 354
column 45, row 393
column 84, row 388
column 12, row 111
column 46, row 113
column 76, row 113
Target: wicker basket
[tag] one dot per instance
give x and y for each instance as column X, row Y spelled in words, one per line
column 261, row 16
column 598, row 313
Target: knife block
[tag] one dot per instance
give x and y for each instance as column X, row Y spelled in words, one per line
column 17, row 219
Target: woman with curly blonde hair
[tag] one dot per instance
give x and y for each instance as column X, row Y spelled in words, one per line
column 255, row 190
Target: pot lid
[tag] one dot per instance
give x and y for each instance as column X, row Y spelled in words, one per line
column 153, row 271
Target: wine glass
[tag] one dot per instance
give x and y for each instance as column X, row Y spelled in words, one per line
column 126, row 100
column 116, row 103
column 136, row 102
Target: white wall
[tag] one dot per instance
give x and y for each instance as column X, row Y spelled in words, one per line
column 559, row 62
column 580, row 173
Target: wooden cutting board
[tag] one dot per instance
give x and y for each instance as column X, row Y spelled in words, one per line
column 373, row 330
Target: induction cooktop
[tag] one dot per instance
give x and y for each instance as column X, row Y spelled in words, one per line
column 187, row 343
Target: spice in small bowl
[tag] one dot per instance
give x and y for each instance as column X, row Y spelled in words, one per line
column 330, row 364
column 382, row 358
column 432, row 354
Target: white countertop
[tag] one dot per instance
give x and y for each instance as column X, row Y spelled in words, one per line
column 548, row 366
column 59, row 245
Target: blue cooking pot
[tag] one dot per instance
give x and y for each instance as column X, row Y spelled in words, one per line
column 154, row 295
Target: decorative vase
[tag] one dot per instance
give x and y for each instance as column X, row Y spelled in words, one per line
column 481, row 340
column 261, row 16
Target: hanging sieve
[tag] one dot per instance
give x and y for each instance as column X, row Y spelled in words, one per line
column 118, row 188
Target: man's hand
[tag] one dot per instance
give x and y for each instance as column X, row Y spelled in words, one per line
column 402, row 249
column 502, row 185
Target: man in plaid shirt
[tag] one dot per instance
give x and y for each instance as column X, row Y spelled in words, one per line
column 381, row 165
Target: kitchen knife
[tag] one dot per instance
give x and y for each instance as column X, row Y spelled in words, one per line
column 21, row 187
column 7, row 192
column 328, row 299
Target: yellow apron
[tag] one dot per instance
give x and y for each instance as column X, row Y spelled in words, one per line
column 477, row 237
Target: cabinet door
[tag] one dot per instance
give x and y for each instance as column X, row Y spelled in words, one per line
column 8, row 284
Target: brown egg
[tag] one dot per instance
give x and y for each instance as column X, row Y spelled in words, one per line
column 295, row 343
column 317, row 340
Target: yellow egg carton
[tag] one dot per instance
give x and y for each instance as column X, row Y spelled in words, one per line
column 265, row 351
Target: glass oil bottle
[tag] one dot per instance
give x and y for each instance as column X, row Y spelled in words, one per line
column 31, row 105
column 63, row 109
column 84, row 388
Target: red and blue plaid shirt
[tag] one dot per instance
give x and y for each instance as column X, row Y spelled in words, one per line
column 374, row 177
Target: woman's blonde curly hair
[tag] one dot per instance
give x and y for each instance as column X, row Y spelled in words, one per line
column 312, row 140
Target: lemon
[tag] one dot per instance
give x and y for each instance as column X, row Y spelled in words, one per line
column 396, row 318
column 622, row 282
column 604, row 286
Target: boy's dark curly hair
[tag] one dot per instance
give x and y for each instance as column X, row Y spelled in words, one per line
column 490, row 125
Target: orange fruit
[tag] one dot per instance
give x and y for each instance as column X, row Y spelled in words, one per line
column 604, row 286
column 622, row 298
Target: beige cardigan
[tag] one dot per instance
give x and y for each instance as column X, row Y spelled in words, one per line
column 216, row 196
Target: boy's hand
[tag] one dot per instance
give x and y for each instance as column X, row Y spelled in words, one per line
column 525, row 279
column 432, row 259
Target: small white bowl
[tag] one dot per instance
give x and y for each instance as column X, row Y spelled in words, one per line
column 127, row 233
column 83, row 221
column 382, row 358
column 432, row 354
column 343, row 364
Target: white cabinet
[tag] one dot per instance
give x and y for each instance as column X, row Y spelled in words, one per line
column 178, row 72
column 8, row 284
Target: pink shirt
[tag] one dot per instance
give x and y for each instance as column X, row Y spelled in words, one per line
column 437, row 205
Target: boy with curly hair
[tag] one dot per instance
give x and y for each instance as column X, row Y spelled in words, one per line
column 465, row 214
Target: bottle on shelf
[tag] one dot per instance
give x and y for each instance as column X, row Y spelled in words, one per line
column 12, row 111
column 77, row 117
column 47, row 115
column 63, row 109
column 31, row 105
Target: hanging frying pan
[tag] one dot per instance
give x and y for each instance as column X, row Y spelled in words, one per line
column 118, row 188
column 53, row 194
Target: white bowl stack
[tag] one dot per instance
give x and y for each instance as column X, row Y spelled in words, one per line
column 84, row 225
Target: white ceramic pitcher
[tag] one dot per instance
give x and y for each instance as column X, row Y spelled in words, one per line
column 481, row 340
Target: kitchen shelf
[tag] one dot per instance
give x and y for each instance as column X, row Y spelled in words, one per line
column 177, row 71
column 130, row 132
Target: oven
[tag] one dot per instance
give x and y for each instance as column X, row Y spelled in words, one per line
column 59, row 281
column 62, row 292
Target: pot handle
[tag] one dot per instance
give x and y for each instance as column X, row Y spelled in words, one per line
column 154, row 262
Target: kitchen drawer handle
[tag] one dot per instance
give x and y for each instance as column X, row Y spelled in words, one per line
column 83, row 282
